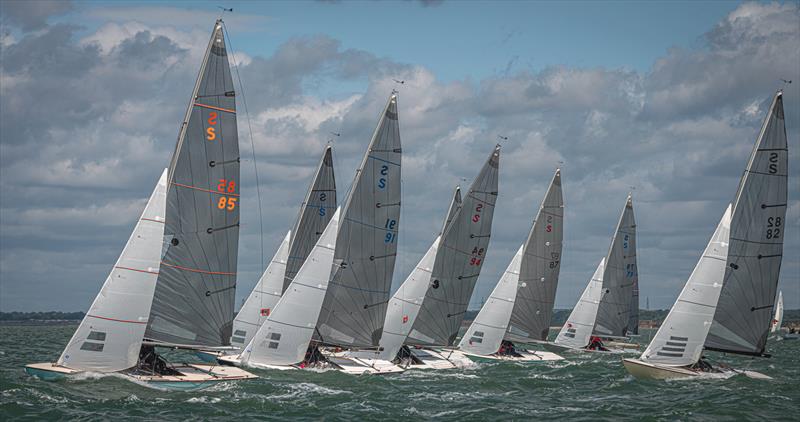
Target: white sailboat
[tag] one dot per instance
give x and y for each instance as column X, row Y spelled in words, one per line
column 174, row 285
column 520, row 306
column 777, row 320
column 727, row 303
column 457, row 264
column 604, row 309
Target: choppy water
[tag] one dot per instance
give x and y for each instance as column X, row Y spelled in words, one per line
column 579, row 388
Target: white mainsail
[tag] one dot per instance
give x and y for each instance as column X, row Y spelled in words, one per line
column 284, row 337
column 679, row 341
column 579, row 326
column 110, row 335
column 486, row 333
column 263, row 298
column 778, row 319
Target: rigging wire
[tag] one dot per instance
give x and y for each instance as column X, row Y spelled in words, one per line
column 252, row 144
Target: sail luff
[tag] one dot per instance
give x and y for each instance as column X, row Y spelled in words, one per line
column 743, row 315
column 540, row 267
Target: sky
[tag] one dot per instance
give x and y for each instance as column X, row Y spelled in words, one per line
column 661, row 98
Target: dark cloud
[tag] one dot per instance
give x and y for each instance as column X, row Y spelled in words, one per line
column 88, row 124
column 30, row 15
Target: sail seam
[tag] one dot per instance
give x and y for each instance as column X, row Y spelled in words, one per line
column 195, row 270
column 204, row 190
column 227, row 110
column 137, row 270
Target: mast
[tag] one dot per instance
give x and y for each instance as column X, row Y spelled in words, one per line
column 540, row 266
column 743, row 315
column 458, row 262
column 620, row 274
column 194, row 296
column 366, row 246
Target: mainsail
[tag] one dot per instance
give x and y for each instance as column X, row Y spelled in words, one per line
column 366, row 247
column 577, row 330
column 284, row 337
column 744, row 312
column 539, row 268
column 633, row 321
column 619, row 276
column 194, row 296
column 679, row 340
column 406, row 301
column 461, row 253
column 315, row 213
column 110, row 335
column 778, row 319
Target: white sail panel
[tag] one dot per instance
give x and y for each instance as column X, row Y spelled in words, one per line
column 486, row 333
column 613, row 315
column 778, row 319
column 679, row 341
column 455, row 206
column 284, row 337
column 405, row 304
column 577, row 330
column 110, row 335
column 758, row 224
column 258, row 306
column 541, row 263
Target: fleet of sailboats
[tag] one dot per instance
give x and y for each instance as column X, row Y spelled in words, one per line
column 325, row 300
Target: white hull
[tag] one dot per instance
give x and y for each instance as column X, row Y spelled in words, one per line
column 646, row 370
column 235, row 360
column 524, row 356
column 439, row 359
column 191, row 377
column 356, row 363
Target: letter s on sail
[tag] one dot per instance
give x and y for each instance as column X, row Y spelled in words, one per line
column 211, row 134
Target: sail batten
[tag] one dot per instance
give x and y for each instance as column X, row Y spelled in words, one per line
column 744, row 313
column 194, row 296
column 366, row 246
column 460, row 257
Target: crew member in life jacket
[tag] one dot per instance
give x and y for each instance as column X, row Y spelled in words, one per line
column 595, row 343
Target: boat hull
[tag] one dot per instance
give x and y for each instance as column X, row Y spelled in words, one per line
column 358, row 363
column 191, row 377
column 439, row 359
column 524, row 356
column 644, row 370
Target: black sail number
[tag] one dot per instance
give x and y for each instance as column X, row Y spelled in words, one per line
column 773, row 227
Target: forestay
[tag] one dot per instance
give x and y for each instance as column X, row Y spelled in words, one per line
column 315, row 213
column 578, row 328
column 110, row 335
column 619, row 276
column 744, row 312
column 284, row 337
column 533, row 308
column 461, row 253
column 484, row 335
column 263, row 298
column 679, row 340
column 366, row 247
column 194, row 296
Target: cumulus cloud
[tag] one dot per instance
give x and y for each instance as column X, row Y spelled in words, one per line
column 90, row 120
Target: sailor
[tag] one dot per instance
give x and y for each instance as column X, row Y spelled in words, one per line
column 595, row 343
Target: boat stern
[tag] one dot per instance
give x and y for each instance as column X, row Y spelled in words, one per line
column 49, row 371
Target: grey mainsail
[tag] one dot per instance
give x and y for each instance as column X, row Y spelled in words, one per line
column 539, row 269
column 633, row 321
column 194, row 295
column 315, row 213
column 366, row 246
column 459, row 259
column 744, row 311
column 613, row 314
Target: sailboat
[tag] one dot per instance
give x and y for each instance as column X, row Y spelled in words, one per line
column 174, row 283
column 405, row 304
column 315, row 212
column 728, row 301
column 603, row 310
column 520, row 307
column 346, row 308
column 777, row 320
column 458, row 260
